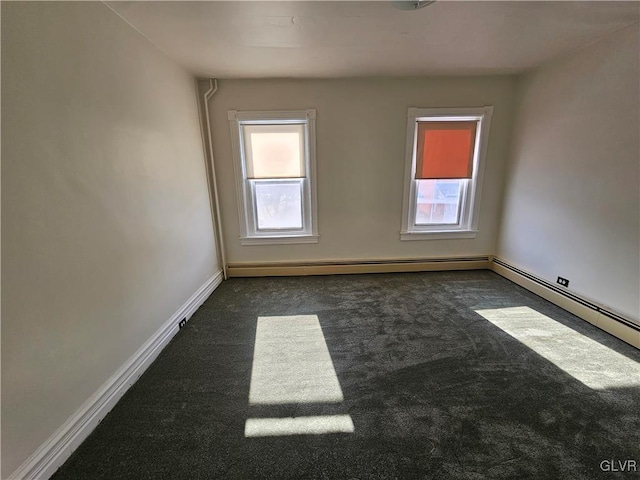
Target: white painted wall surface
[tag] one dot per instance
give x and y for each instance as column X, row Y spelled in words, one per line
column 361, row 132
column 106, row 219
column 572, row 202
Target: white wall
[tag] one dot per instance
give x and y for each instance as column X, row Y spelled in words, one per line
column 361, row 131
column 106, row 220
column 571, row 207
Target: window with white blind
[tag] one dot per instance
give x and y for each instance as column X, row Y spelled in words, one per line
column 443, row 172
column 275, row 173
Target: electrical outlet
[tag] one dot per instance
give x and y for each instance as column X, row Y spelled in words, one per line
column 563, row 281
column 182, row 323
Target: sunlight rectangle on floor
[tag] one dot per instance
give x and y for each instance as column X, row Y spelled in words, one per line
column 291, row 363
column 318, row 425
column 592, row 363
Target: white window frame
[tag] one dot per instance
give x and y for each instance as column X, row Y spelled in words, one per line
column 467, row 227
column 249, row 232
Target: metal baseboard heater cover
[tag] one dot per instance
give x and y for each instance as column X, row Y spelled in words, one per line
column 571, row 296
column 333, row 267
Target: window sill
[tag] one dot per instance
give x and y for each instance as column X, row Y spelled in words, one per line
column 439, row 235
column 279, row 240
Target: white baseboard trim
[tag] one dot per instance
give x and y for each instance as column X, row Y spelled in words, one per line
column 336, row 267
column 611, row 322
column 43, row 463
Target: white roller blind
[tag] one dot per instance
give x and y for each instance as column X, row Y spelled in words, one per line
column 274, row 151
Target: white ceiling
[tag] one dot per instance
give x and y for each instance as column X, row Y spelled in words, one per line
column 370, row 38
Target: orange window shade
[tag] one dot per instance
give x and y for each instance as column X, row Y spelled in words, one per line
column 445, row 150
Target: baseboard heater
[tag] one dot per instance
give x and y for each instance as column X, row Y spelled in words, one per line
column 568, row 295
column 333, row 267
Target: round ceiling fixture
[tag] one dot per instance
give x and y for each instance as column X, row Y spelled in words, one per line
column 412, row 4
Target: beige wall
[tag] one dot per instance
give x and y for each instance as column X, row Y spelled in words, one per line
column 571, row 207
column 106, row 220
column 361, row 131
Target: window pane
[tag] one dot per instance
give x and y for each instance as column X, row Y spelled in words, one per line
column 274, row 151
column 278, row 205
column 438, row 202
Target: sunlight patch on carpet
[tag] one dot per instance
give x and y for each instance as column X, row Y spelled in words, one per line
column 595, row 365
column 270, row 427
column 292, row 365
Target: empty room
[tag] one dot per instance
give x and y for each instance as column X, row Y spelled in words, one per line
column 320, row 240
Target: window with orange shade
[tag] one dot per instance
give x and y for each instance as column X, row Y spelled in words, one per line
column 444, row 160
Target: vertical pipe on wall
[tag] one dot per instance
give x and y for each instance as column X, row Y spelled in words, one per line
column 213, row 87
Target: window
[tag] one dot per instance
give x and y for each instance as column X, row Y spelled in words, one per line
column 275, row 173
column 443, row 172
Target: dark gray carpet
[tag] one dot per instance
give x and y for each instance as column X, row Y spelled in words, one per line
column 434, row 390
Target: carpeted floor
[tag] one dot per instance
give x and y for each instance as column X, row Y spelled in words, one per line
column 433, row 388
